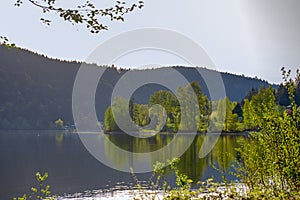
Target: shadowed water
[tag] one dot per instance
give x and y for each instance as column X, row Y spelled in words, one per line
column 72, row 169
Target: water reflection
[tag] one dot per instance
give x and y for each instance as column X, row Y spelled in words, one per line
column 72, row 169
column 222, row 156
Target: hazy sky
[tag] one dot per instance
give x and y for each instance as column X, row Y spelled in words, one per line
column 251, row 37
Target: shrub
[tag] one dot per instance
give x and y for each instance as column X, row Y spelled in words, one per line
column 270, row 165
column 42, row 192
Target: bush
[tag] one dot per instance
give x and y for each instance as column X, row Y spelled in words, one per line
column 42, row 192
column 270, row 165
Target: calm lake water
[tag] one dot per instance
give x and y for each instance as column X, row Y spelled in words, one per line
column 72, row 169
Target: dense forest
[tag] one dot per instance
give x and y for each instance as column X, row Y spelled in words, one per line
column 36, row 91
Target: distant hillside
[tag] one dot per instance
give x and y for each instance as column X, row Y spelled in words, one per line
column 35, row 90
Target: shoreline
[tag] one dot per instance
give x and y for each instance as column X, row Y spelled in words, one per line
column 128, row 194
column 243, row 133
column 40, row 132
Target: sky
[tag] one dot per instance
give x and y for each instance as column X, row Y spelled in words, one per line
column 250, row 37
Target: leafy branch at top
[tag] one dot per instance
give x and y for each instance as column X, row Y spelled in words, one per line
column 4, row 41
column 87, row 13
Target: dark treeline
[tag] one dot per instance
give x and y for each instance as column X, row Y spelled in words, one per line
column 36, row 91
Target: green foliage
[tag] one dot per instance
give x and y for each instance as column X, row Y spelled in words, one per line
column 220, row 114
column 120, row 109
column 224, row 117
column 208, row 189
column 171, row 105
column 86, row 13
column 41, row 192
column 271, row 158
column 59, row 123
column 263, row 106
column 166, row 99
column 183, row 190
column 259, row 108
column 174, row 110
column 188, row 116
column 247, row 115
column 228, row 126
column 141, row 114
column 4, row 41
column 109, row 121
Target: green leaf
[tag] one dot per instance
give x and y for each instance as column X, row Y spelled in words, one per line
column 33, row 189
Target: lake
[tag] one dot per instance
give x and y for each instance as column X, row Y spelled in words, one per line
column 72, row 169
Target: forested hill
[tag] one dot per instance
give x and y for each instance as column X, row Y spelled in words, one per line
column 36, row 90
